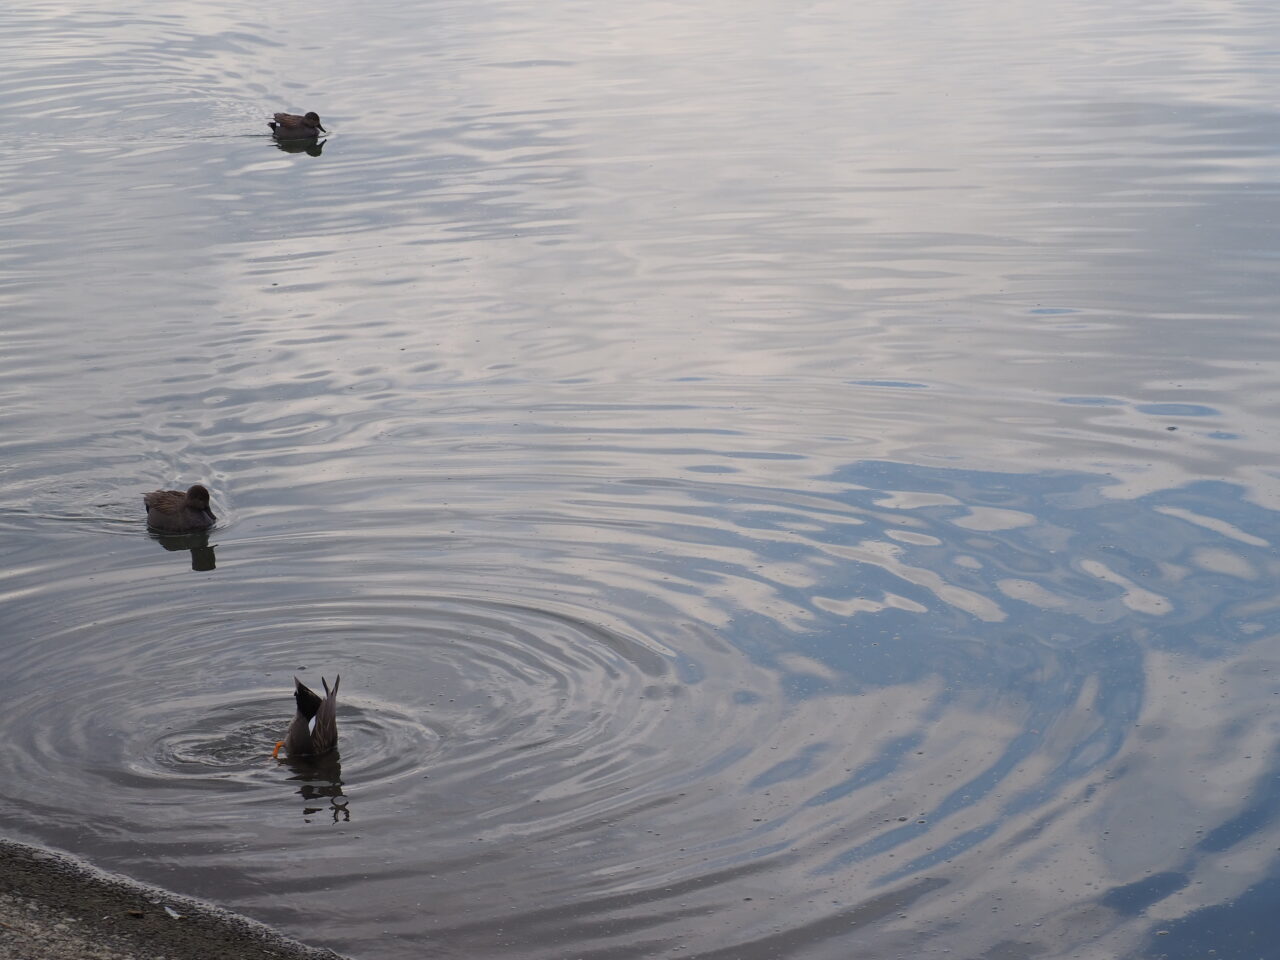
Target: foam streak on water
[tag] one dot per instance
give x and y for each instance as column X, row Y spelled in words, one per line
column 774, row 480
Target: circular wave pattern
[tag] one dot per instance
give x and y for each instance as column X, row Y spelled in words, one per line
column 854, row 726
column 462, row 694
column 656, row 527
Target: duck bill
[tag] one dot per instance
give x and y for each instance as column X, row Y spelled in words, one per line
column 321, row 129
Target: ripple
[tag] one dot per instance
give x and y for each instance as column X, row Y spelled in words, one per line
column 666, row 692
column 497, row 691
column 729, row 476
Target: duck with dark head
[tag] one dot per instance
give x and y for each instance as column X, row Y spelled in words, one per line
column 174, row 510
column 294, row 126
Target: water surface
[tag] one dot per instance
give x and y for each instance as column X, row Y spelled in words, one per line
column 774, row 480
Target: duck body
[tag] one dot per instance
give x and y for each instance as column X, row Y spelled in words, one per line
column 178, row 511
column 314, row 728
column 296, row 126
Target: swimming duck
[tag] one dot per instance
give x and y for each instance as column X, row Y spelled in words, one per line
column 314, row 728
column 175, row 510
column 292, row 126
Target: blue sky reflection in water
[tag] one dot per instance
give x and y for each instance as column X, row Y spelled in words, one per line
column 775, row 481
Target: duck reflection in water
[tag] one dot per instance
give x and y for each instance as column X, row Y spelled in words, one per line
column 202, row 558
column 312, row 148
column 319, row 782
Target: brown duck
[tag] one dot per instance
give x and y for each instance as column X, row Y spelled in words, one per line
column 294, row 126
column 175, row 510
column 314, row 729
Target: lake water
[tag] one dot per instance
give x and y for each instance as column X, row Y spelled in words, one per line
column 775, row 479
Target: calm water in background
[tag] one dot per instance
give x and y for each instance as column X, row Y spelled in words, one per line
column 775, row 479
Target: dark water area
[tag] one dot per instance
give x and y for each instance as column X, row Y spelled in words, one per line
column 784, row 480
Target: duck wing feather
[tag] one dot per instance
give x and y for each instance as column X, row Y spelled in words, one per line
column 297, row 741
column 324, row 735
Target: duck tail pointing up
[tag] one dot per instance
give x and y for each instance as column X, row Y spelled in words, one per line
column 307, row 700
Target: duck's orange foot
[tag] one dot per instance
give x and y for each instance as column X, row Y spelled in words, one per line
column 275, row 754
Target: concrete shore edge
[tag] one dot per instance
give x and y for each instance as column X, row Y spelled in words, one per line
column 56, row 907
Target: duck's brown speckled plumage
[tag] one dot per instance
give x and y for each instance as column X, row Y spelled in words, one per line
column 175, row 510
column 307, row 739
column 296, row 126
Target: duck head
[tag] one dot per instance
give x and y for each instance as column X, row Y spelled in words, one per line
column 198, row 500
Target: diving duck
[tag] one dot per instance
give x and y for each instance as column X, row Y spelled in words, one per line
column 175, row 510
column 314, row 728
column 293, row 126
